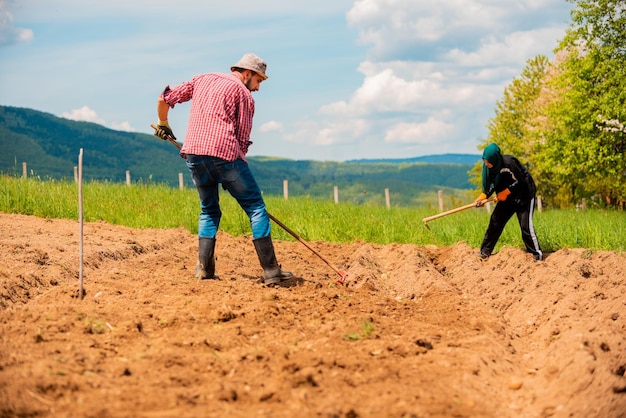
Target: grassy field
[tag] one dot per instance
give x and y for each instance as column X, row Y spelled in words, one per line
column 161, row 206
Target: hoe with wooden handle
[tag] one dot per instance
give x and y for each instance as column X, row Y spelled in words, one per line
column 342, row 274
column 455, row 210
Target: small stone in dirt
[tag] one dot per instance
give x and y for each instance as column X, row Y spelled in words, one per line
column 423, row 343
column 585, row 271
column 226, row 315
column 352, row 414
column 228, row 395
column 515, row 383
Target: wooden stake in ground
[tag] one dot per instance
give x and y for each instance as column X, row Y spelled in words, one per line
column 81, row 294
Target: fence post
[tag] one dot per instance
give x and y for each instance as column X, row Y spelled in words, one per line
column 181, row 184
column 128, row 177
column 336, row 194
column 539, row 204
column 583, row 204
column 286, row 189
column 387, row 200
column 24, row 170
column 80, row 226
column 75, row 174
column 440, row 199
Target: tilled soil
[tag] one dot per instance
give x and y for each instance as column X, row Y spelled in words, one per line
column 414, row 332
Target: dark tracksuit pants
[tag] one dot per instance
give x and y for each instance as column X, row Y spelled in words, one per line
column 499, row 218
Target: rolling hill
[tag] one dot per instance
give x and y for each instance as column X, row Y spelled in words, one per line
column 50, row 146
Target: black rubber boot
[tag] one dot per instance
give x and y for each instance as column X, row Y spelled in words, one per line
column 271, row 269
column 205, row 269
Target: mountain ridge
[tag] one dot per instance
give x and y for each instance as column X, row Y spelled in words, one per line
column 449, row 158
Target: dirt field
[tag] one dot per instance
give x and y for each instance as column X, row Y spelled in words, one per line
column 416, row 331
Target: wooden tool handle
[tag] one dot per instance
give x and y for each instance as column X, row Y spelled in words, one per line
column 459, row 209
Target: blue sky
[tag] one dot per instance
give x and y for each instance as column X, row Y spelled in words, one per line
column 348, row 79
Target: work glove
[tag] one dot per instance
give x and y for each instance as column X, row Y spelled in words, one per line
column 164, row 131
column 479, row 200
column 501, row 196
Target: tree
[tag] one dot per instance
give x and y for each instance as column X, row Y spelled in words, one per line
column 515, row 114
column 580, row 153
column 566, row 117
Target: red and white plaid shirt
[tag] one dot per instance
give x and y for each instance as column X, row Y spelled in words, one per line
column 220, row 120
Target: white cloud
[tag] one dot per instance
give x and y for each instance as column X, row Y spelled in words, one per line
column 271, row 126
column 122, row 126
column 389, row 24
column 85, row 114
column 429, row 132
column 8, row 33
column 433, row 72
column 445, row 63
column 396, row 28
column 513, row 49
column 385, row 91
column 327, row 133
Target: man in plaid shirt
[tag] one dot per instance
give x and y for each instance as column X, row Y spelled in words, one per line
column 215, row 147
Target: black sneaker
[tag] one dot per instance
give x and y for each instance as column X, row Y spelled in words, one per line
column 484, row 255
column 538, row 257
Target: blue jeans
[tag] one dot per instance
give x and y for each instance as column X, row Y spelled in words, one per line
column 235, row 176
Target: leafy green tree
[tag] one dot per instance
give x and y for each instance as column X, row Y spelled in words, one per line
column 582, row 152
column 510, row 126
column 515, row 113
